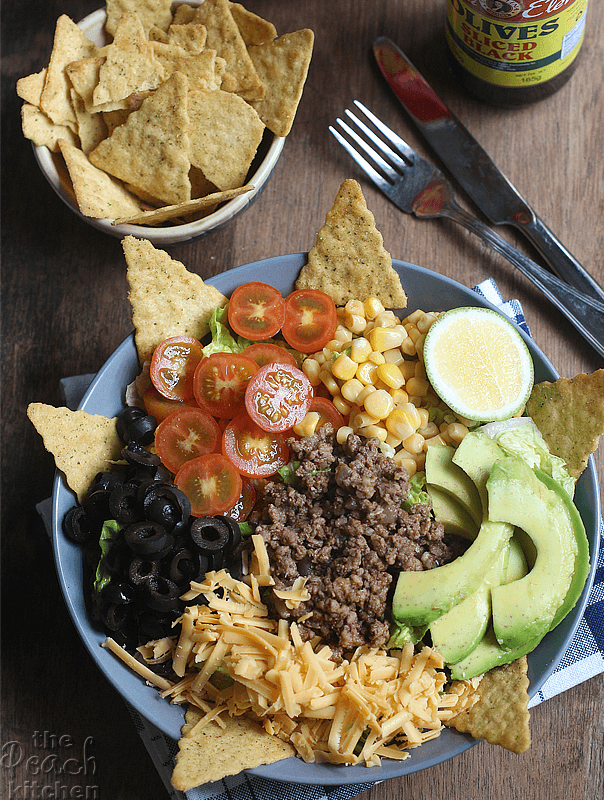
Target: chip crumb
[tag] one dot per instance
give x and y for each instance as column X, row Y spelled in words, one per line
column 349, row 260
column 500, row 715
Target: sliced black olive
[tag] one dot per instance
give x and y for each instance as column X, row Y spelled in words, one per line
column 118, row 557
column 154, row 626
column 96, row 504
column 126, row 636
column 123, row 504
column 148, row 539
column 234, row 533
column 141, row 569
column 186, row 566
column 161, row 594
column 78, row 527
column 106, row 480
column 117, row 592
column 114, row 615
column 166, row 504
column 126, row 418
column 210, row 534
column 141, row 430
column 139, row 456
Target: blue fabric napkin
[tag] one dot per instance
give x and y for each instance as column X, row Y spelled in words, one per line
column 583, row 659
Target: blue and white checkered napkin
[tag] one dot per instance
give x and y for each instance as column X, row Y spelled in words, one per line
column 583, row 660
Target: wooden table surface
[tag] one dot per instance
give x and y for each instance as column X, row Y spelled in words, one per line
column 66, row 309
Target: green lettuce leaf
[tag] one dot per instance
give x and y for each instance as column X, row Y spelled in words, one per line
column 417, row 492
column 109, row 532
column 222, row 338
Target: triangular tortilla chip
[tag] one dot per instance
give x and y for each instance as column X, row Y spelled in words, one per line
column 348, row 260
column 130, row 66
column 82, row 444
column 97, row 193
column 39, row 128
column 199, row 68
column 501, row 714
column 151, row 13
column 150, row 149
column 191, row 37
column 570, row 416
column 30, row 87
column 157, row 215
column 84, row 76
column 69, row 45
column 253, row 29
column 166, row 298
column 91, row 127
column 211, row 753
column 224, row 136
column 282, row 66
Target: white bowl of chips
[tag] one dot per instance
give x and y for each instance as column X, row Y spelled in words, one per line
column 188, row 143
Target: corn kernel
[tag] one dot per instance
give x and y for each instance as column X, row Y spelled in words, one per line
column 419, row 345
column 386, row 319
column 367, row 372
column 363, row 419
column 425, row 322
column 410, row 409
column 424, row 417
column 393, row 356
column 414, row 316
column 420, row 460
column 399, row 425
column 414, row 444
column 320, row 357
column 417, row 386
column 434, row 440
column 329, row 382
column 341, row 404
column 379, row 404
column 355, row 307
column 351, row 389
column 391, row 375
column 376, row 358
column 386, row 338
column 429, row 430
column 360, row 349
column 343, row 368
column 371, row 431
column 399, row 396
column 364, row 393
column 457, row 432
column 393, row 441
column 420, row 370
column 342, row 334
column 308, row 425
column 335, row 345
column 355, row 323
column 373, row 306
column 311, row 368
column 343, row 433
column 408, row 347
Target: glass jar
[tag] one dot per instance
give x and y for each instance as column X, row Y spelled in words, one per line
column 512, row 52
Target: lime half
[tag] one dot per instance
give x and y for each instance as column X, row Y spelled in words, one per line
column 478, row 363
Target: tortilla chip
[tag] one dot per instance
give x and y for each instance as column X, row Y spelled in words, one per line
column 191, row 37
column 282, row 66
column 150, row 149
column 166, row 298
column 253, row 29
column 91, row 127
column 30, row 87
column 82, row 444
column 184, row 14
column 348, row 260
column 42, row 132
column 69, row 45
column 98, row 194
column 212, row 752
column 570, row 417
column 84, row 76
column 155, row 216
column 501, row 714
column 224, row 136
column 199, row 68
column 151, row 13
column 224, row 37
column 130, row 66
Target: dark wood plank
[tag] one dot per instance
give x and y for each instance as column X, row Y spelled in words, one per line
column 65, row 309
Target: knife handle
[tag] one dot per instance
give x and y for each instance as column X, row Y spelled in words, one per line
column 557, row 256
column 585, row 313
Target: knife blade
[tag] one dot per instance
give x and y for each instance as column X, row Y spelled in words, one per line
column 472, row 167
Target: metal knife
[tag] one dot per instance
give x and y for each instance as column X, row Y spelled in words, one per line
column 474, row 170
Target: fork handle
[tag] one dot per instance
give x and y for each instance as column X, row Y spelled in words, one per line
column 585, row 313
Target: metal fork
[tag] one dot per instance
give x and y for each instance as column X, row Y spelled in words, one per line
column 417, row 187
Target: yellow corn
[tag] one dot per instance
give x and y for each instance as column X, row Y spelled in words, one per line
column 393, row 441
column 362, row 395
column 329, row 382
column 414, row 444
column 311, row 368
column 429, row 430
column 379, row 404
column 414, row 317
column 371, row 431
column 386, row 338
column 407, row 369
column 373, row 306
column 391, row 375
column 343, row 433
column 363, row 419
column 335, row 345
column 386, row 319
column 399, row 425
column 367, row 372
column 350, row 390
column 393, row 356
column 355, row 323
column 376, row 358
column 412, row 414
column 424, row 417
column 433, row 440
column 417, row 386
column 343, row 368
column 419, row 345
column 408, row 347
column 341, row 404
column 342, row 334
column 424, row 322
column 399, row 396
column 355, row 307
column 457, row 431
column 308, row 425
column 360, row 349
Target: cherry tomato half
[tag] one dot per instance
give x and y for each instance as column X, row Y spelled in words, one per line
column 256, row 310
column 268, row 353
column 329, row 413
column 185, row 434
column 242, row 508
column 278, row 397
column 254, row 451
column 159, row 406
column 220, row 383
column 173, row 366
column 310, row 320
column 211, row 483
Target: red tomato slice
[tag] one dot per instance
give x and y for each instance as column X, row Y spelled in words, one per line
column 254, row 451
column 159, row 406
column 256, row 310
column 187, row 433
column 220, row 383
column 310, row 320
column 211, row 483
column 278, row 397
column 242, row 508
column 173, row 366
column 329, row 413
column 268, row 353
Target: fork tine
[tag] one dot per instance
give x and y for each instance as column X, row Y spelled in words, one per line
column 373, row 175
column 383, row 165
column 400, row 144
column 379, row 143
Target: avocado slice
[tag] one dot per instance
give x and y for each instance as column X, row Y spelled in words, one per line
column 487, row 654
column 421, row 597
column 454, row 517
column 524, row 610
column 476, row 455
column 457, row 633
column 581, row 570
column 451, row 479
column 517, row 564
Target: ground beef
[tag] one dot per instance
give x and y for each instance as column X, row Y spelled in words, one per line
column 341, row 524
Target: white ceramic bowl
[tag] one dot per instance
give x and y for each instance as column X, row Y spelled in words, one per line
column 54, row 170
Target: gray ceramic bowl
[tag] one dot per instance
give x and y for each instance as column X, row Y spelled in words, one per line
column 53, row 169
column 426, row 290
